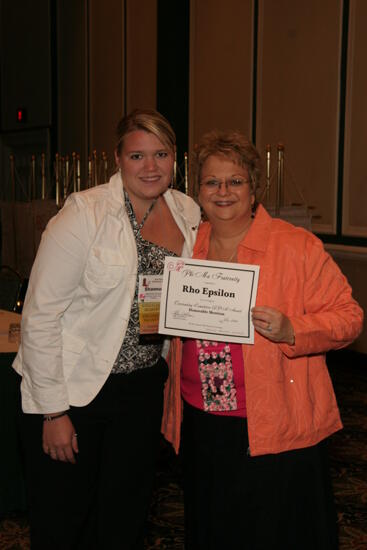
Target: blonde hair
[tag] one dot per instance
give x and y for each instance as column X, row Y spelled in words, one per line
column 149, row 121
column 231, row 145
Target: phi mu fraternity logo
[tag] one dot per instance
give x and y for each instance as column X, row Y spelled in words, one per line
column 175, row 266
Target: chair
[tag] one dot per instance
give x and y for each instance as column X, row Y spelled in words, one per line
column 11, row 289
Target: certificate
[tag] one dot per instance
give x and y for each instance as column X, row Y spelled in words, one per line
column 208, row 300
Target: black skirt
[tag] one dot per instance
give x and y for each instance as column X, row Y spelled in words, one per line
column 235, row 501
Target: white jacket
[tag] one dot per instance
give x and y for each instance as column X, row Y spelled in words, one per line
column 80, row 294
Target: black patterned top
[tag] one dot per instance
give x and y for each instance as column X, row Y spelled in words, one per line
column 134, row 355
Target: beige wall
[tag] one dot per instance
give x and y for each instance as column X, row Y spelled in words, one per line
column 106, row 73
column 297, row 103
column 298, row 97
column 141, row 50
column 72, row 52
column 221, row 37
column 103, row 71
column 298, row 94
column 355, row 172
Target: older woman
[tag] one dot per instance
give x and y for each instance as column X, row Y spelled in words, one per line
column 254, row 448
column 92, row 392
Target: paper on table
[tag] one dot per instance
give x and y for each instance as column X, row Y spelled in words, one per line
column 7, row 318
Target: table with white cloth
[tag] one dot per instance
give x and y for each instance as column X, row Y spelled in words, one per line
column 12, row 488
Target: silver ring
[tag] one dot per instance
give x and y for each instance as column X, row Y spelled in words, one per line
column 75, row 435
column 269, row 329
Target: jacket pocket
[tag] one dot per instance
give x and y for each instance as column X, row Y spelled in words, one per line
column 105, row 268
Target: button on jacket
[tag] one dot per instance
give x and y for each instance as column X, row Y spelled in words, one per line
column 80, row 294
column 289, row 395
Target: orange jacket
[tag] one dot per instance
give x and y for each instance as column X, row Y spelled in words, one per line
column 289, row 395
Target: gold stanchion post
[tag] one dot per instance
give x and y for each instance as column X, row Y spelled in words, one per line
column 105, row 167
column 89, row 184
column 78, row 172
column 267, row 188
column 33, row 177
column 95, row 169
column 43, row 177
column 66, row 181
column 73, row 157
column 186, row 173
column 57, row 178
column 279, row 201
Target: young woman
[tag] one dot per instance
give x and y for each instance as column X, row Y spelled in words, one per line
column 91, row 391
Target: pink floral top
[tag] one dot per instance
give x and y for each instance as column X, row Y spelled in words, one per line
column 212, row 377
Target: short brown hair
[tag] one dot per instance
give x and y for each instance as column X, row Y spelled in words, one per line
column 148, row 120
column 232, row 145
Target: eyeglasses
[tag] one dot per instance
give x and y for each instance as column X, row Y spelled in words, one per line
column 213, row 184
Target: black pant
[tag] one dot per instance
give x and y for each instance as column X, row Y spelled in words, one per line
column 102, row 502
column 238, row 502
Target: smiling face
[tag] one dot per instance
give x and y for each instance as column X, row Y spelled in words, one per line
column 224, row 193
column 146, row 166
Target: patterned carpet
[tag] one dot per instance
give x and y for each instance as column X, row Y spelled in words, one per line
column 348, row 451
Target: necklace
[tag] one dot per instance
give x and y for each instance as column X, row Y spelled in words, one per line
column 141, row 224
column 232, row 257
column 218, row 250
column 129, row 207
column 220, row 256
